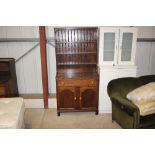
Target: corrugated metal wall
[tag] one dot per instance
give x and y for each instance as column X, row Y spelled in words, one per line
column 29, row 68
column 145, row 54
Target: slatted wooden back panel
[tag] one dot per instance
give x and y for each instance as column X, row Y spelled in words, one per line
column 76, row 48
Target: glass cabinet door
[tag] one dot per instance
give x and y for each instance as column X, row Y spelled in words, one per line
column 117, row 46
column 109, row 46
column 109, row 42
column 127, row 46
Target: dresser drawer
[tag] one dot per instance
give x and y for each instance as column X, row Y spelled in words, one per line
column 92, row 82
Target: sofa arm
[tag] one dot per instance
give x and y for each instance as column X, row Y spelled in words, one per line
column 125, row 104
column 128, row 107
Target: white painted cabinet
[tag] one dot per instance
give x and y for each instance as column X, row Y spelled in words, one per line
column 117, row 46
column 107, row 74
column 117, row 49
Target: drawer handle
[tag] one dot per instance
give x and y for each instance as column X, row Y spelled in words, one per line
column 74, row 98
column 80, row 98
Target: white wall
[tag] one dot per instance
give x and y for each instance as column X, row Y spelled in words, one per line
column 29, row 68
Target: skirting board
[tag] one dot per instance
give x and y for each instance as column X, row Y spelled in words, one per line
column 105, row 109
column 38, row 103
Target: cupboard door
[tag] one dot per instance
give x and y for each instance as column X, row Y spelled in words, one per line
column 66, row 97
column 108, row 46
column 106, row 75
column 5, row 89
column 127, row 46
column 88, row 97
column 2, row 90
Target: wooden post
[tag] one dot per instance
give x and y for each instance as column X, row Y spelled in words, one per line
column 43, row 56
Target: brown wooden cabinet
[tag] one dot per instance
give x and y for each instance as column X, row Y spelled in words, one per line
column 77, row 77
column 8, row 80
column 77, row 95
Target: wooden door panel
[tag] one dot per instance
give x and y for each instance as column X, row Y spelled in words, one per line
column 2, row 90
column 66, row 97
column 5, row 90
column 88, row 97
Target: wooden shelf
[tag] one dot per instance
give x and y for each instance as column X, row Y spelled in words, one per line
column 73, row 28
column 76, row 53
column 68, row 42
column 68, row 64
column 88, row 75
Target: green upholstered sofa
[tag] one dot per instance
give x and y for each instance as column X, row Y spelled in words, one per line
column 124, row 112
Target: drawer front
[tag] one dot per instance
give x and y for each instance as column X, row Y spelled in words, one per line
column 92, row 82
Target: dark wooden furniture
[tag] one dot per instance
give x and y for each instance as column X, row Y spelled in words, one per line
column 8, row 80
column 77, row 78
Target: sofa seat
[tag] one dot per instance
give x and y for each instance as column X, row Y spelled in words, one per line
column 11, row 113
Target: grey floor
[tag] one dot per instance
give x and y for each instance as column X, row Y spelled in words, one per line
column 48, row 119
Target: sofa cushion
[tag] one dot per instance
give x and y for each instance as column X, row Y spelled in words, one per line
column 143, row 93
column 147, row 108
column 144, row 98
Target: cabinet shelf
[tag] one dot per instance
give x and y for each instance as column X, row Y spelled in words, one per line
column 69, row 42
column 68, row 64
column 70, row 53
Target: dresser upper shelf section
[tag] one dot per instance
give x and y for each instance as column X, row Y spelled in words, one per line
column 76, row 48
column 75, row 35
